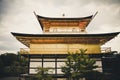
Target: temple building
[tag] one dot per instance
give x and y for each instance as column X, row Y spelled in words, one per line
column 60, row 36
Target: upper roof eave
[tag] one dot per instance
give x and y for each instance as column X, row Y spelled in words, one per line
column 40, row 18
column 74, row 18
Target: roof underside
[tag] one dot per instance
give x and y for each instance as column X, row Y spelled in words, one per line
column 26, row 39
column 47, row 21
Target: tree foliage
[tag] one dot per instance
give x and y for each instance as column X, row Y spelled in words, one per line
column 42, row 74
column 12, row 64
column 78, row 65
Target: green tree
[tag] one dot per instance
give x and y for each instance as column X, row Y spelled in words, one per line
column 12, row 64
column 42, row 74
column 9, row 58
column 1, row 67
column 78, row 65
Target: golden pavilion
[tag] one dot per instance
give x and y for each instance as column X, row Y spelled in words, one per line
column 60, row 36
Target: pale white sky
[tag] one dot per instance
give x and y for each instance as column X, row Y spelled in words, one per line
column 17, row 16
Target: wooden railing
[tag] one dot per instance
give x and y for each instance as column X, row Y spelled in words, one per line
column 24, row 50
column 27, row 50
column 105, row 49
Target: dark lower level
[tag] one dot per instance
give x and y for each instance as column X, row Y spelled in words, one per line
column 53, row 61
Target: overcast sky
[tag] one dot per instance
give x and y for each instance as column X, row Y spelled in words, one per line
column 17, row 16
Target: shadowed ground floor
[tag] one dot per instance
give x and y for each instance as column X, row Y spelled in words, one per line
column 9, row 78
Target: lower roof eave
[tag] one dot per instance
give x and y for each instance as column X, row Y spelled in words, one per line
column 64, row 35
column 26, row 39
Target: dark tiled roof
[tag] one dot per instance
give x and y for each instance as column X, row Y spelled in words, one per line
column 66, row 35
column 76, row 18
